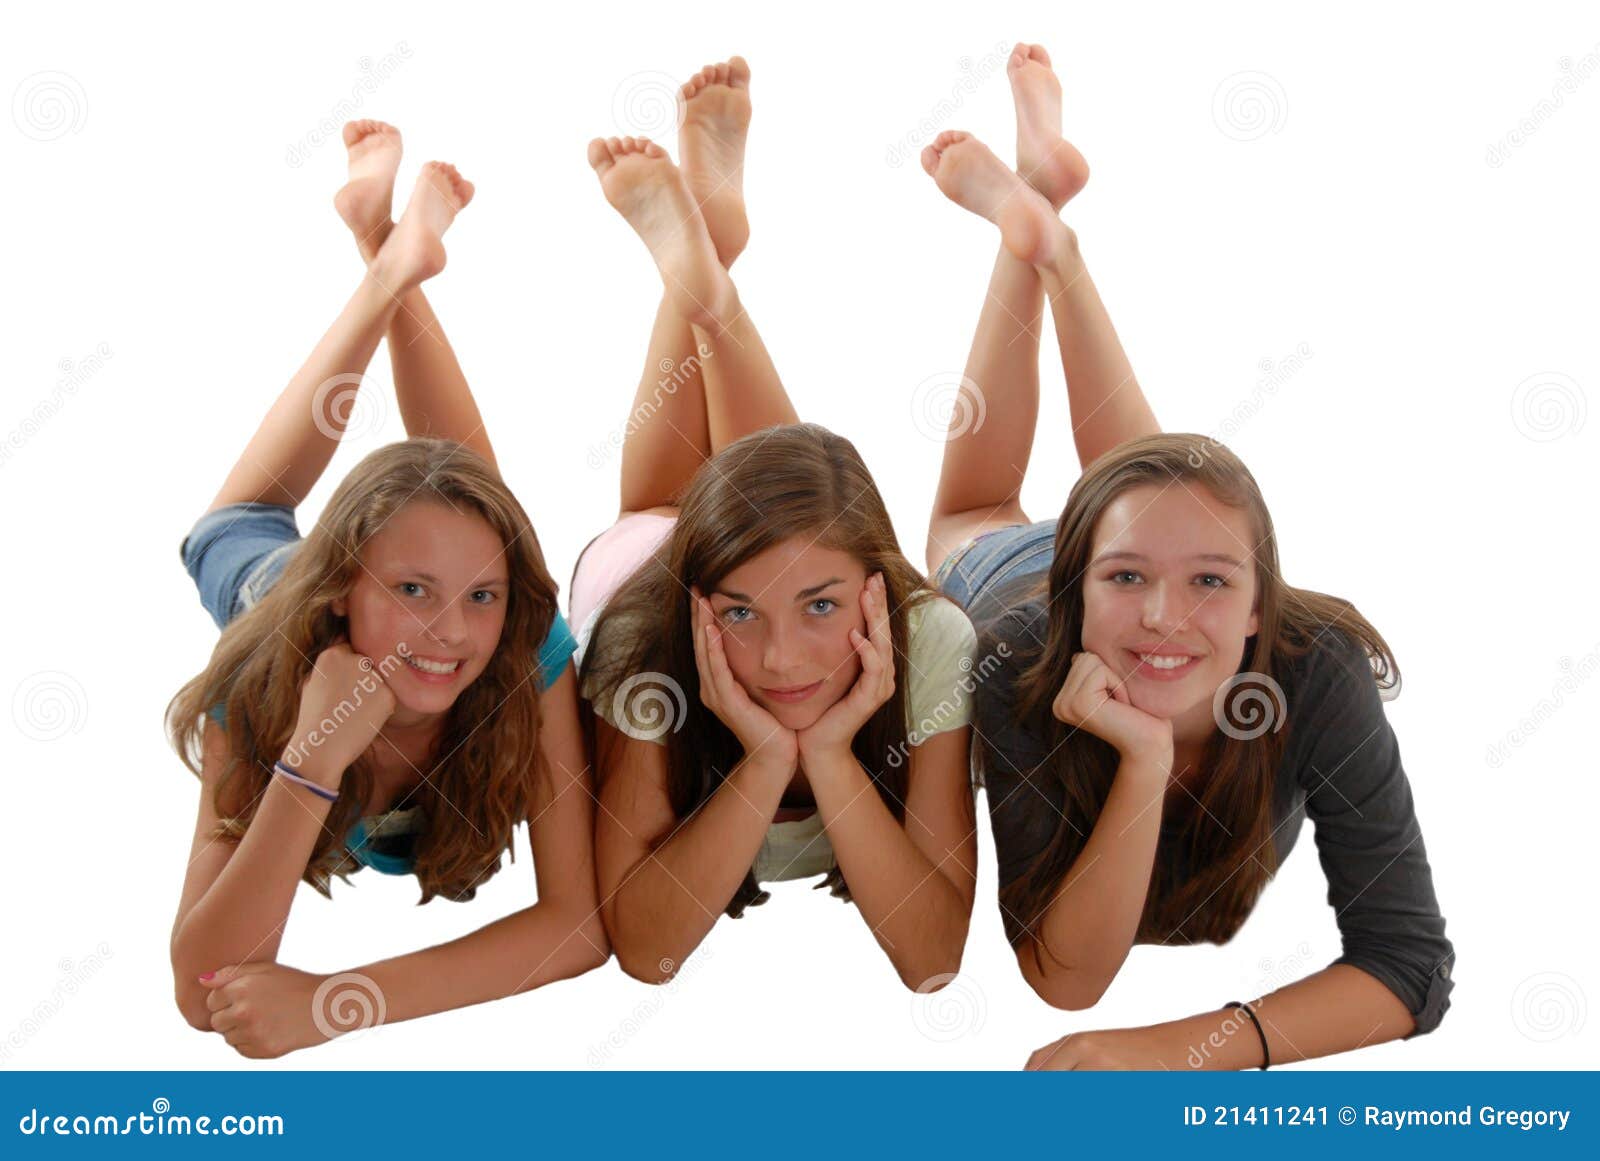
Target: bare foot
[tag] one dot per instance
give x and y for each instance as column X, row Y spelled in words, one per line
column 366, row 200
column 711, row 142
column 414, row 250
column 644, row 186
column 975, row 179
column 1046, row 160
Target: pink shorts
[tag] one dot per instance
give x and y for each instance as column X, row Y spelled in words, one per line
column 610, row 559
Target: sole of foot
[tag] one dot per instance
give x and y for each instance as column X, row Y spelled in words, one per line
column 366, row 201
column 647, row 189
column 1046, row 160
column 711, row 142
column 414, row 250
column 969, row 174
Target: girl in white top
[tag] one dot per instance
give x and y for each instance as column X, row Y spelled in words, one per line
column 777, row 690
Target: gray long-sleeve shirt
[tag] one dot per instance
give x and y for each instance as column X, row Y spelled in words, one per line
column 1341, row 769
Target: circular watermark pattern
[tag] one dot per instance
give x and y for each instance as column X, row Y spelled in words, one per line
column 945, row 407
column 948, row 1007
column 1548, row 1006
column 50, row 705
column 347, row 1003
column 1248, row 705
column 648, row 104
column 1549, row 406
column 341, row 408
column 649, row 706
column 48, row 106
column 1247, row 106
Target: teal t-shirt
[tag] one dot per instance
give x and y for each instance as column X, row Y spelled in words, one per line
column 386, row 842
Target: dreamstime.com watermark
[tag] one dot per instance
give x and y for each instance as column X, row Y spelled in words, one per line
column 1274, row 374
column 49, row 705
column 331, row 125
column 673, row 376
column 1573, row 74
column 973, row 75
column 601, row 1051
column 75, row 974
column 73, row 376
column 160, row 1121
column 48, row 106
column 1573, row 675
column 364, row 688
column 973, row 674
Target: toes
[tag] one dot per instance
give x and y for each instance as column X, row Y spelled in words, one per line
column 600, row 158
column 930, row 159
column 1038, row 53
column 721, row 74
column 738, row 72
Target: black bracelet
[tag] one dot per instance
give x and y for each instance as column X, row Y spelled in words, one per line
column 1266, row 1053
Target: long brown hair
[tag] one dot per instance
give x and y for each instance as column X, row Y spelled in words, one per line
column 491, row 777
column 1216, row 852
column 796, row 480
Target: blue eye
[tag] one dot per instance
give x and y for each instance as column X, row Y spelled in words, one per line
column 407, row 586
column 728, row 614
column 489, row 598
column 1211, row 576
column 1116, row 577
column 828, row 601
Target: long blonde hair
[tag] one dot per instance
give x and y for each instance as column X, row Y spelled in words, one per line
column 1216, row 852
column 491, row 777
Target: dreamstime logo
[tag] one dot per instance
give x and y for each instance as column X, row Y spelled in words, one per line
column 73, row 377
column 346, row 1004
column 48, row 106
column 1548, row 1006
column 75, row 975
column 648, row 104
column 1248, row 106
column 1548, row 406
column 365, row 686
column 1573, row 675
column 48, row 706
column 674, row 374
column 646, row 1010
column 1248, row 705
column 1574, row 73
column 340, row 408
column 648, row 706
column 973, row 74
column 948, row 1007
column 331, row 124
column 945, row 407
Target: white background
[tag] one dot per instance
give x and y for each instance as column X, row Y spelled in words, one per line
column 1432, row 459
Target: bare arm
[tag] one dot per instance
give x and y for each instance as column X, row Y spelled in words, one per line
column 1338, row 1009
column 236, row 896
column 660, row 897
column 1091, row 922
column 913, row 884
column 556, row 938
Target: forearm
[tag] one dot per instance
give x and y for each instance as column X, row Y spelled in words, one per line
column 1339, row 1009
column 1106, row 403
column 1094, row 916
column 912, row 906
column 673, row 896
column 534, row 947
column 242, row 914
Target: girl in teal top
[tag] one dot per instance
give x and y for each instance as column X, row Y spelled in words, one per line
column 394, row 691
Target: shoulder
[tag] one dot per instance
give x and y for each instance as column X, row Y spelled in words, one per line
column 1338, row 731
column 936, row 624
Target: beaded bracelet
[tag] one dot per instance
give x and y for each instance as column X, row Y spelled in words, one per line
column 1266, row 1053
column 284, row 770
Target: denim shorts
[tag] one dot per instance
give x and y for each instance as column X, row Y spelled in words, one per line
column 998, row 556
column 235, row 553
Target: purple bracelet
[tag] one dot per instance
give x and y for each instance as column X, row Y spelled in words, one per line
column 284, row 770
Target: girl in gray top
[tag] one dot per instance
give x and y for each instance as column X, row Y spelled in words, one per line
column 1166, row 709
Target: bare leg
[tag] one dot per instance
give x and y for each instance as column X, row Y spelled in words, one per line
column 292, row 447
column 429, row 385
column 742, row 392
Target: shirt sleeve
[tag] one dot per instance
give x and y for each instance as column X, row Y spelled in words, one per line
column 939, row 677
column 557, row 650
column 1368, row 839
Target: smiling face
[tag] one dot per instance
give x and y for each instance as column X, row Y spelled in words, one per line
column 433, row 582
column 786, row 616
column 1169, row 598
